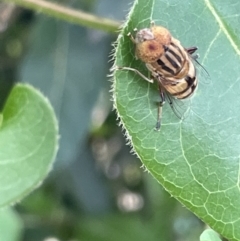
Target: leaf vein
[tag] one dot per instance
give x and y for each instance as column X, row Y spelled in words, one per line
column 222, row 26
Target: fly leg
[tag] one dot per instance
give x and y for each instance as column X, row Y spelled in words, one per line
column 173, row 109
column 135, row 71
column 160, row 105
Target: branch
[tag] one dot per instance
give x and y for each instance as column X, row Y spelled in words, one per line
column 69, row 15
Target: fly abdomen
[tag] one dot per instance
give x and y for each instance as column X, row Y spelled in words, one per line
column 186, row 88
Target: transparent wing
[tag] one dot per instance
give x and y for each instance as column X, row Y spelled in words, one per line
column 202, row 73
column 179, row 107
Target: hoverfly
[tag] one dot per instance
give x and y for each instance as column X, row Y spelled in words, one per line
column 169, row 63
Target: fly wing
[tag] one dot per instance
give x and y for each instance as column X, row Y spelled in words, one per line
column 202, row 73
column 179, row 107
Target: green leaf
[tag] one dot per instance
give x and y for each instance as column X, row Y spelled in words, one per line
column 195, row 159
column 10, row 225
column 28, row 143
column 209, row 235
column 1, row 119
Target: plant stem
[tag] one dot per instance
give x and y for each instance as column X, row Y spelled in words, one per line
column 69, row 15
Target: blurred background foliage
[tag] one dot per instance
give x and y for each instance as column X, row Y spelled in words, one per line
column 97, row 190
